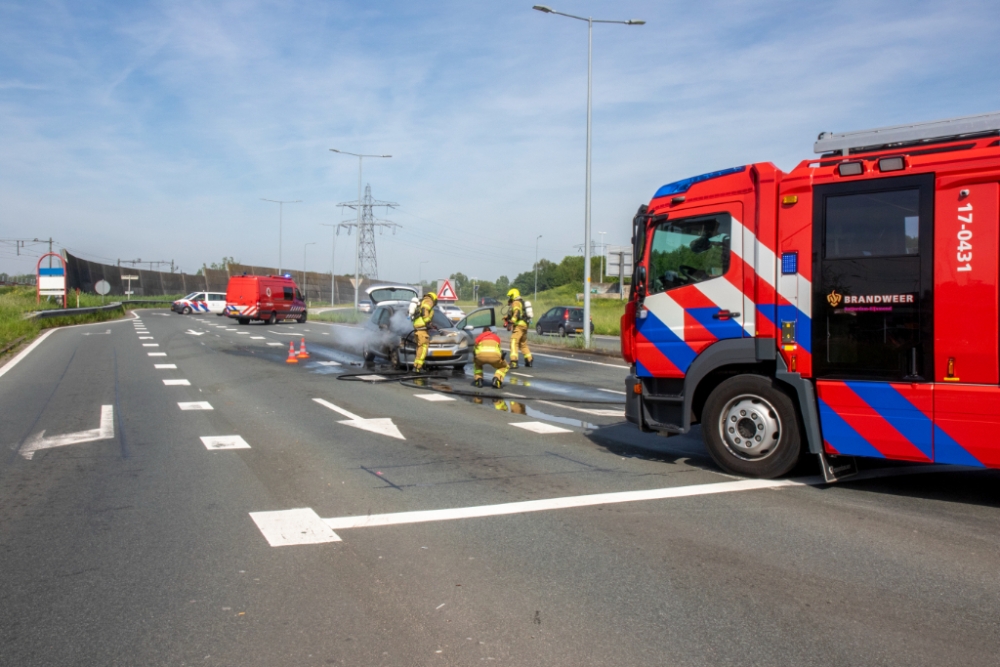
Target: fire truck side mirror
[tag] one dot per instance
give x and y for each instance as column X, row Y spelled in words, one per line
column 641, row 287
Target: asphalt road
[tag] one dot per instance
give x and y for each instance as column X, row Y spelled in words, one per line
column 127, row 539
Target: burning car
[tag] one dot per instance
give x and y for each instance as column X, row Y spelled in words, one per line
column 390, row 331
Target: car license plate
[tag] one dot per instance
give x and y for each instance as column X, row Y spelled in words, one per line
column 579, row 330
column 441, row 353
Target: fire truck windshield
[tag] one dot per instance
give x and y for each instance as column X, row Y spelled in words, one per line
column 689, row 251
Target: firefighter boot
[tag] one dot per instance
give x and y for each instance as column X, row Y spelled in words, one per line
column 478, row 382
column 527, row 362
column 497, row 383
column 513, row 363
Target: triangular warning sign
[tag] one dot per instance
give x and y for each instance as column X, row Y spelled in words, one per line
column 446, row 292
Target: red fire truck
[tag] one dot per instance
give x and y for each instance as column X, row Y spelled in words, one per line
column 848, row 308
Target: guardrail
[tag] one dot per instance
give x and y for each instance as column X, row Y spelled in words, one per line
column 66, row 312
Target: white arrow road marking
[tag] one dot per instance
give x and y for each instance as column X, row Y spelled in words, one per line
column 290, row 527
column 590, row 411
column 541, row 427
column 97, row 333
column 192, row 332
column 381, row 425
column 105, row 431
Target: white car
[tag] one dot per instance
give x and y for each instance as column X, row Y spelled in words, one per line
column 201, row 302
column 453, row 313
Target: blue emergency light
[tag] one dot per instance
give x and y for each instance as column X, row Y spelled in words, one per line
column 288, row 275
column 789, row 263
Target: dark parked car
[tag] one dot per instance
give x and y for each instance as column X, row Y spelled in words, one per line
column 488, row 301
column 562, row 320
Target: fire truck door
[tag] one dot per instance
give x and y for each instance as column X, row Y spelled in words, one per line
column 873, row 337
column 694, row 289
column 967, row 395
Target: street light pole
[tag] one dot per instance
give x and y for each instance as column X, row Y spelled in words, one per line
column 281, row 207
column 357, row 239
column 590, row 78
column 304, row 283
column 536, row 267
column 420, row 273
column 604, row 254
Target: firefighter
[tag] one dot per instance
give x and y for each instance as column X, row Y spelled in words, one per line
column 488, row 352
column 517, row 323
column 423, row 315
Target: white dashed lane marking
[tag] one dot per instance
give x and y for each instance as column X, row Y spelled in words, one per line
column 177, row 383
column 151, row 345
column 328, row 363
column 196, row 405
column 156, row 354
column 435, row 397
column 276, row 344
column 224, row 442
column 257, row 338
column 589, row 411
column 164, row 366
column 145, row 338
column 611, row 391
column 290, row 527
column 541, row 427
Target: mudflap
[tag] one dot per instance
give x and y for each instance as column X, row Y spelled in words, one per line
column 837, row 468
column 633, row 405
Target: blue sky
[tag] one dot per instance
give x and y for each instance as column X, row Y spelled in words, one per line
column 152, row 129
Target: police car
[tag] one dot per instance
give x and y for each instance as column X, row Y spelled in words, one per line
column 200, row 302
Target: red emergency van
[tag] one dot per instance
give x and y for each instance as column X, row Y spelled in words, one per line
column 847, row 308
column 266, row 298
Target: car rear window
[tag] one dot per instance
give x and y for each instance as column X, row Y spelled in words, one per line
column 576, row 313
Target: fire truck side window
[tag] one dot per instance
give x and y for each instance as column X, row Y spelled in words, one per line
column 288, row 293
column 875, row 224
column 685, row 252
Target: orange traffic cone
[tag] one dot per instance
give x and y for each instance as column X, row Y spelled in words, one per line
column 291, row 354
column 302, row 349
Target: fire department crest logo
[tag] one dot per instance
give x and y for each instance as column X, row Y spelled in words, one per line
column 268, row 291
column 834, row 298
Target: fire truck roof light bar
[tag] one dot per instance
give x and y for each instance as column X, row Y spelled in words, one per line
column 900, row 134
column 680, row 187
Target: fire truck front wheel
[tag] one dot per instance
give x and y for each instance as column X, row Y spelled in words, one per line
column 751, row 427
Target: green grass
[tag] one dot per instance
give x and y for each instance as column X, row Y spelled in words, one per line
column 15, row 302
column 341, row 317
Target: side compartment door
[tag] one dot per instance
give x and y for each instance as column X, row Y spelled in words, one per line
column 872, row 328
column 967, row 395
column 694, row 296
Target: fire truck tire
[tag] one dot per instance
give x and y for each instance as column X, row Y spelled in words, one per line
column 187, row 310
column 273, row 319
column 751, row 427
column 302, row 320
column 243, row 320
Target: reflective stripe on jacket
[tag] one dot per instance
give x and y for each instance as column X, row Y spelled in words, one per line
column 487, row 341
column 517, row 313
column 426, row 314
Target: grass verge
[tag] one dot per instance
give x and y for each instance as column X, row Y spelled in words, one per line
column 341, row 317
column 16, row 302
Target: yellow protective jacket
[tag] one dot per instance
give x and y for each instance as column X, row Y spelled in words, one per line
column 517, row 316
column 425, row 313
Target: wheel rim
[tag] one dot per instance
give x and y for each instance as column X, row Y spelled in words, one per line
column 750, row 427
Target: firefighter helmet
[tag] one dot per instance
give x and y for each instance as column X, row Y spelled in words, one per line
column 514, row 293
column 432, row 295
